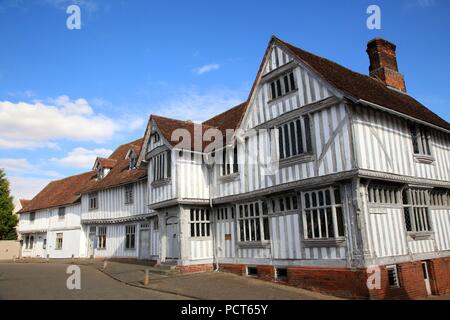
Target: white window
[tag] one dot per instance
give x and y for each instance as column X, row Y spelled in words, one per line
column 253, row 222
column 162, row 166
column 322, row 214
column 59, row 241
column 32, row 216
column 283, row 85
column 440, row 198
column 93, row 201
column 29, row 241
column 61, row 213
column 420, row 139
column 393, row 276
column 294, row 138
column 383, row 194
column 130, row 237
column 101, row 237
column 416, row 210
column 129, row 197
column 284, row 204
column 230, row 161
column 200, row 223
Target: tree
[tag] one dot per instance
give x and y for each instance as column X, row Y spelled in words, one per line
column 8, row 220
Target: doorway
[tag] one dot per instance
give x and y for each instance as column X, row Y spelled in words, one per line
column 173, row 246
column 91, row 241
column 144, row 241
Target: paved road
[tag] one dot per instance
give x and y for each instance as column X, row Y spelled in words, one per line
column 48, row 281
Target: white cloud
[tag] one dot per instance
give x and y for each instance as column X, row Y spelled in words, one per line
column 82, row 158
column 22, row 166
column 26, row 188
column 189, row 104
column 38, row 124
column 206, row 68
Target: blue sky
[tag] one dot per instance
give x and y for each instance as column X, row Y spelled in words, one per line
column 69, row 95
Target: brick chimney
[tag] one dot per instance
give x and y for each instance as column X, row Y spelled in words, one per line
column 383, row 63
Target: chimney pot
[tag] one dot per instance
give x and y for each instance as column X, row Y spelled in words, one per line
column 383, row 63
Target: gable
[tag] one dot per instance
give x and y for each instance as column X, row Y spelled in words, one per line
column 309, row 88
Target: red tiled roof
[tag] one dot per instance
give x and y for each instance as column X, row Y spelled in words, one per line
column 227, row 120
column 68, row 191
column 119, row 173
column 106, row 162
column 59, row 193
column 366, row 88
column 24, row 202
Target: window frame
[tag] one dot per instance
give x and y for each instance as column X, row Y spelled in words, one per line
column 249, row 220
column 129, row 194
column 394, row 269
column 420, row 138
column 294, row 138
column 93, row 199
column 282, row 85
column 229, row 166
column 101, row 234
column 59, row 241
column 32, row 217
column 336, row 209
column 200, row 223
column 162, row 166
column 416, row 211
column 61, row 213
column 130, row 237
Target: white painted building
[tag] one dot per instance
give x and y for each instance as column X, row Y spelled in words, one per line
column 326, row 173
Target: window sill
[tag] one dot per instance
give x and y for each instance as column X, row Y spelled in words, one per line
column 255, row 244
column 425, row 159
column 303, row 158
column 324, row 242
column 282, row 97
column 161, row 183
column 230, row 177
column 417, row 236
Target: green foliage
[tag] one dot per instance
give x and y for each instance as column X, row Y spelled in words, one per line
column 8, row 220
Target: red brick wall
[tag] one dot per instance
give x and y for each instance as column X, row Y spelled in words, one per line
column 266, row 272
column 238, row 269
column 341, row 282
column 352, row 283
column 196, row 268
column 412, row 284
column 439, row 270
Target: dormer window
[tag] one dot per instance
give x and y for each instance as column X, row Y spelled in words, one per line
column 100, row 173
column 132, row 161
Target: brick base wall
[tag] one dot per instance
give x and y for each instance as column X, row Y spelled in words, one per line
column 196, row 268
column 238, row 269
column 352, row 283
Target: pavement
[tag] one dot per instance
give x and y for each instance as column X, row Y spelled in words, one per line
column 47, row 280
